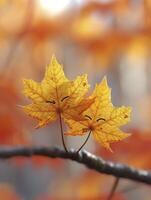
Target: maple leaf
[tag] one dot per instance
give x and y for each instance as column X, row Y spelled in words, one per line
column 102, row 118
column 56, row 96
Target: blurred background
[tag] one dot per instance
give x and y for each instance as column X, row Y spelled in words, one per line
column 97, row 37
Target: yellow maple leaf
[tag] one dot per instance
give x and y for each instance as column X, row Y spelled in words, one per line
column 56, row 96
column 102, row 119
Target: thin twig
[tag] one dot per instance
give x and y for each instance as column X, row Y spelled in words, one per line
column 62, row 136
column 89, row 160
column 112, row 192
column 84, row 142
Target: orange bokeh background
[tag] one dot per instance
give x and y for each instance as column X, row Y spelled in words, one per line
column 97, row 37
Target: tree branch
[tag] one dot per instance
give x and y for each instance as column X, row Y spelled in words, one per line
column 89, row 160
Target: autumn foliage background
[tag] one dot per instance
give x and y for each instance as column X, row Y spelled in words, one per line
column 111, row 38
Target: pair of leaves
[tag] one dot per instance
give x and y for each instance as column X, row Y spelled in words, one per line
column 57, row 96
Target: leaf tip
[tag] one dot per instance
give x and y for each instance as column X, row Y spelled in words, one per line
column 108, row 147
column 24, row 81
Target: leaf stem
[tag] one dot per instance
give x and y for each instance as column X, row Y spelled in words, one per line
column 62, row 137
column 84, row 142
column 114, row 186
